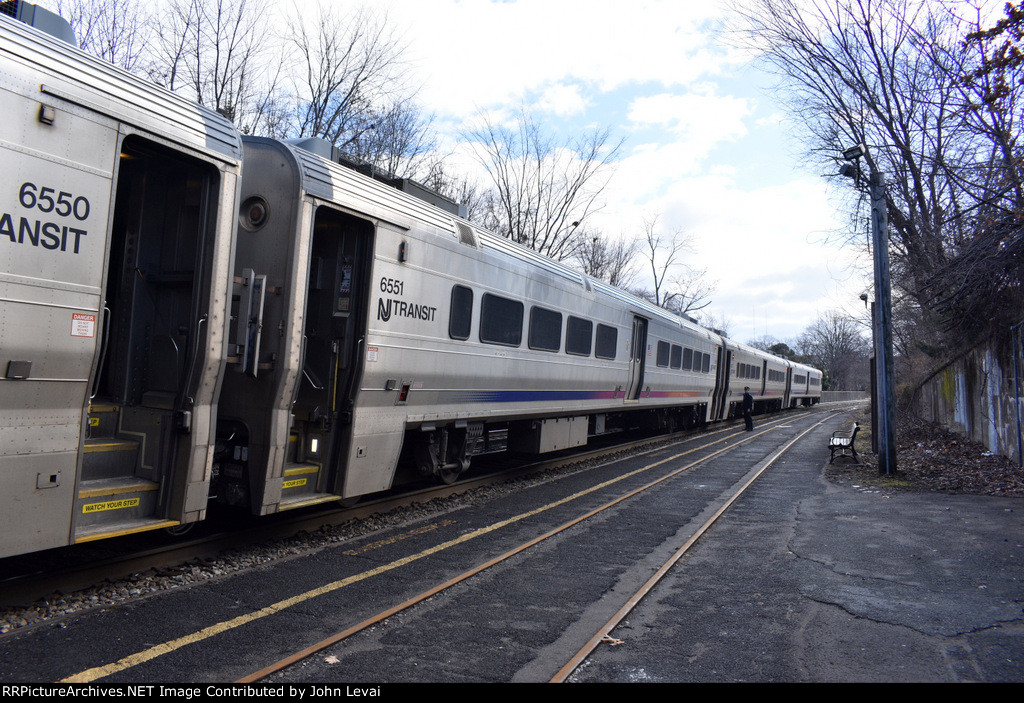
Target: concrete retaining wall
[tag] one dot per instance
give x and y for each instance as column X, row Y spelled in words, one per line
column 839, row 396
column 975, row 396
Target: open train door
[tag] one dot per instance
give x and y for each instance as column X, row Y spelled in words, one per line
column 719, row 404
column 113, row 295
column 637, row 358
column 335, row 324
column 146, row 455
column 789, row 387
column 302, row 268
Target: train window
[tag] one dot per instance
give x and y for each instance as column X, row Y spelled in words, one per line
column 607, row 341
column 677, row 356
column 705, row 365
column 501, row 321
column 545, row 329
column 461, row 312
column 579, row 336
column 662, row 353
column 687, row 359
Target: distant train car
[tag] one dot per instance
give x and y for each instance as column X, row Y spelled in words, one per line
column 805, row 386
column 116, row 226
column 188, row 316
column 766, row 376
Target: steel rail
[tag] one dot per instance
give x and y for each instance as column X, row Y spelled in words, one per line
column 369, row 622
column 604, row 633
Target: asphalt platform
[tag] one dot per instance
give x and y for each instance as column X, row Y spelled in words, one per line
column 814, row 581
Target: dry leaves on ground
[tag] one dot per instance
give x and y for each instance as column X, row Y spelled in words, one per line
column 930, row 457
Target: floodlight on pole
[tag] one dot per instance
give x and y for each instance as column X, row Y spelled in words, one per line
column 854, row 152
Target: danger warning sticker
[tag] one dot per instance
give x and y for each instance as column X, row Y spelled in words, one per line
column 83, row 325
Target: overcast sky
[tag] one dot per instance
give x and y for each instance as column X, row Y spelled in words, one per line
column 707, row 147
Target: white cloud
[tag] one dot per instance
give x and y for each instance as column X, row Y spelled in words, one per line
column 502, row 50
column 707, row 157
column 562, row 100
column 700, row 119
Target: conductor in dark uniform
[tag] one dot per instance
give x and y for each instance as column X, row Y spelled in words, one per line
column 748, row 409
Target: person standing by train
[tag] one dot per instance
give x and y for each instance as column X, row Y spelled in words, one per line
column 748, row 409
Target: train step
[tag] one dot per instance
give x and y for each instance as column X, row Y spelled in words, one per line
column 92, row 533
column 103, row 420
column 299, row 479
column 109, row 457
column 304, row 501
column 104, row 501
column 299, row 488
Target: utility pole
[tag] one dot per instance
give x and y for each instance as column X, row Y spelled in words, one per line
column 883, row 328
column 881, row 318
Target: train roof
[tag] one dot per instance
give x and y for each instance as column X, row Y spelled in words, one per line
column 331, row 181
column 334, row 182
column 99, row 86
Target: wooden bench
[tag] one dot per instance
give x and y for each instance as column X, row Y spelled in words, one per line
column 841, row 444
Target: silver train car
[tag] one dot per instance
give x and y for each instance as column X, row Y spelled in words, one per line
column 117, row 225
column 188, row 315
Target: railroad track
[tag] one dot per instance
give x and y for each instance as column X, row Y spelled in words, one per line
column 42, row 581
column 720, row 442
column 32, row 577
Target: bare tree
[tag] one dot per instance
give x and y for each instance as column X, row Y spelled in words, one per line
column 898, row 76
column 764, row 342
column 114, row 30
column 543, row 189
column 979, row 289
column 718, row 323
column 220, row 52
column 678, row 287
column 349, row 75
column 836, row 344
column 611, row 261
column 459, row 187
column 399, row 141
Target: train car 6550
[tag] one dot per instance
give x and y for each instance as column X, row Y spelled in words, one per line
column 116, row 223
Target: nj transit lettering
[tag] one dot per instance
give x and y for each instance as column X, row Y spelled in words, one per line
column 48, row 235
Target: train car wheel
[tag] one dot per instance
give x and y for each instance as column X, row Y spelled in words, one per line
column 180, row 530
column 448, row 476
